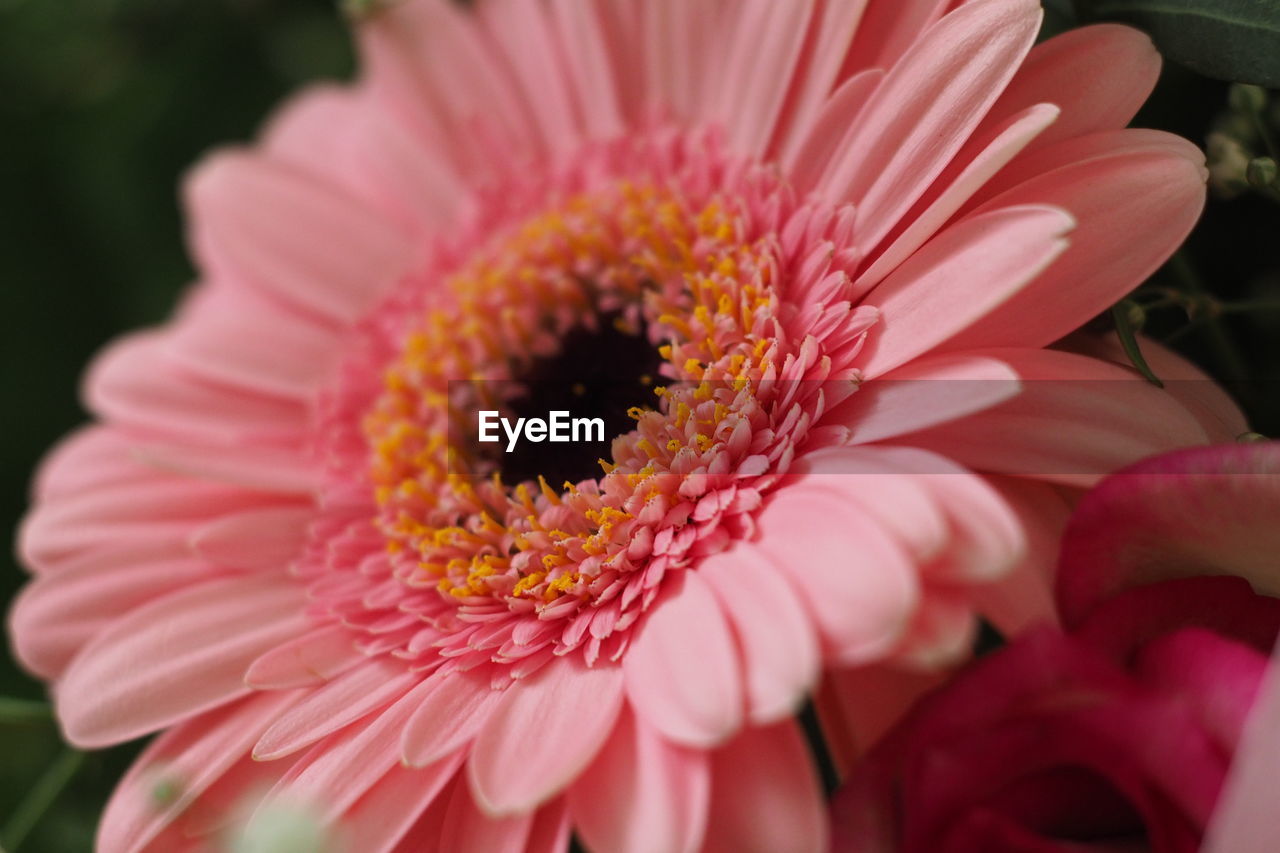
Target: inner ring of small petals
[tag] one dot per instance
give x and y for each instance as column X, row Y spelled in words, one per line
column 703, row 294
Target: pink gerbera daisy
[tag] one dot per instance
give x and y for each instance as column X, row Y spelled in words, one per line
column 767, row 220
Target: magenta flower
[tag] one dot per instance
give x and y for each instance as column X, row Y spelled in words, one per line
column 783, row 210
column 1117, row 734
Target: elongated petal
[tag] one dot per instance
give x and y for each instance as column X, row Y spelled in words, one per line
column 926, row 108
column 779, row 650
column 1152, row 522
column 859, row 585
column 765, row 795
column 1118, row 418
column 308, row 660
column 332, row 706
column 1097, row 75
column 642, row 793
column 175, row 657
column 309, row 245
column 928, row 391
column 448, row 716
column 1133, row 210
column 961, row 276
column 135, row 383
column 683, row 673
column 178, row 767
column 58, row 614
column 542, row 733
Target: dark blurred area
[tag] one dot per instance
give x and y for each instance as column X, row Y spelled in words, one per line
column 107, row 102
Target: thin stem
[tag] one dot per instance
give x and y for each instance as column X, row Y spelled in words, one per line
column 20, row 711
column 38, row 800
column 1224, row 348
column 1247, row 305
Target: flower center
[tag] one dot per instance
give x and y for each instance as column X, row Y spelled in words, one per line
column 603, row 293
column 689, row 303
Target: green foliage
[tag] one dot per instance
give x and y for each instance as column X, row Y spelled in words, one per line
column 1226, row 39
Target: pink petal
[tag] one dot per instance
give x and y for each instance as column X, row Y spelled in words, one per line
column 306, row 661
column 927, row 107
column 123, row 506
column 387, row 811
column 925, row 392
column 296, row 236
column 288, row 473
column 832, row 31
column 88, row 456
column 832, row 129
column 410, row 54
column 232, row 336
column 962, row 275
column 335, row 774
column 449, row 715
column 468, row 830
column 1098, row 147
column 887, row 31
column 765, row 794
column 873, row 479
column 1246, row 819
column 1155, row 521
column 593, row 72
column 543, row 732
column 780, row 654
column 858, row 583
column 255, row 540
column 1117, row 417
column 762, row 56
column 551, row 830
column 523, row 34
column 1133, row 210
column 339, row 134
column 135, row 383
column 58, row 614
column 334, row 705
column 186, row 760
column 682, row 669
column 683, row 42
column 1203, row 397
column 642, row 793
column 986, row 538
column 1023, row 598
column 942, row 631
column 1099, row 75
column 175, row 657
column 982, row 158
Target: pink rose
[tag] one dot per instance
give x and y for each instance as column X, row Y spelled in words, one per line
column 1117, row 731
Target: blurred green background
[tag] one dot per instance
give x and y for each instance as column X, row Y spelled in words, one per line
column 105, row 104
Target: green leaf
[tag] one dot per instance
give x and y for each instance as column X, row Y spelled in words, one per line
column 1227, row 39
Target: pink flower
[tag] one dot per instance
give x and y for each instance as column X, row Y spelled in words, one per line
column 790, row 212
column 1118, row 734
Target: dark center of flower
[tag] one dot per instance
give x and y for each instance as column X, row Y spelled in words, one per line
column 602, row 371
